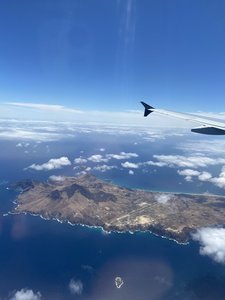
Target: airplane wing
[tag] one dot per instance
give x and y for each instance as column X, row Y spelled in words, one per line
column 208, row 126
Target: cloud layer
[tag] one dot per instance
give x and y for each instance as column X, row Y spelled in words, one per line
column 26, row 294
column 57, row 178
column 188, row 161
column 76, row 287
column 204, row 176
column 62, row 113
column 130, row 165
column 54, row 163
column 212, row 241
column 46, row 107
column 37, row 130
column 97, row 158
column 104, row 168
column 163, row 198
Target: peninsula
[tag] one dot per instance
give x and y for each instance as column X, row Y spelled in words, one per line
column 90, row 201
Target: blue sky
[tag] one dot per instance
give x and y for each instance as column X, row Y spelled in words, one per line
column 109, row 55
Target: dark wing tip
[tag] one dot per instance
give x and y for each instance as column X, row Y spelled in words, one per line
column 147, row 108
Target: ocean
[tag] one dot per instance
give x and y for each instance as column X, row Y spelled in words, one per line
column 45, row 255
column 59, row 261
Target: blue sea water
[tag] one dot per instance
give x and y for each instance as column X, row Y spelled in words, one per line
column 45, row 255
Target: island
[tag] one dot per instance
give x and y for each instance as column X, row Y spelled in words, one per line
column 90, row 201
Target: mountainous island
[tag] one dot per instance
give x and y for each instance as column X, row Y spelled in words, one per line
column 90, row 201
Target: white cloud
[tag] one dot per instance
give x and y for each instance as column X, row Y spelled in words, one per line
column 163, row 198
column 76, row 287
column 188, row 173
column 56, row 178
column 102, row 149
column 212, row 241
column 155, row 163
column 19, row 145
column 30, row 134
column 36, row 130
column 88, row 169
column 188, row 178
column 205, row 176
column 131, row 172
column 206, row 146
column 80, row 160
column 129, row 165
column 81, row 173
column 220, row 180
column 104, row 168
column 47, row 107
column 188, row 161
column 122, row 155
column 26, row 294
column 97, row 158
column 60, row 112
column 54, row 163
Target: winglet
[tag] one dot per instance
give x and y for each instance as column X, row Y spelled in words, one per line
column 147, row 109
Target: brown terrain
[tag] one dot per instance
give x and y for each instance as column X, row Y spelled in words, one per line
column 91, row 201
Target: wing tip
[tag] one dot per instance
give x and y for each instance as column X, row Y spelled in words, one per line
column 148, row 108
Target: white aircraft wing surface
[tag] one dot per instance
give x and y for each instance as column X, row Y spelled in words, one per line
column 208, row 126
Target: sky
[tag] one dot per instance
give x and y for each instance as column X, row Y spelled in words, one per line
column 97, row 55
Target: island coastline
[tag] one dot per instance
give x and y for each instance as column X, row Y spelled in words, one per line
column 79, row 193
